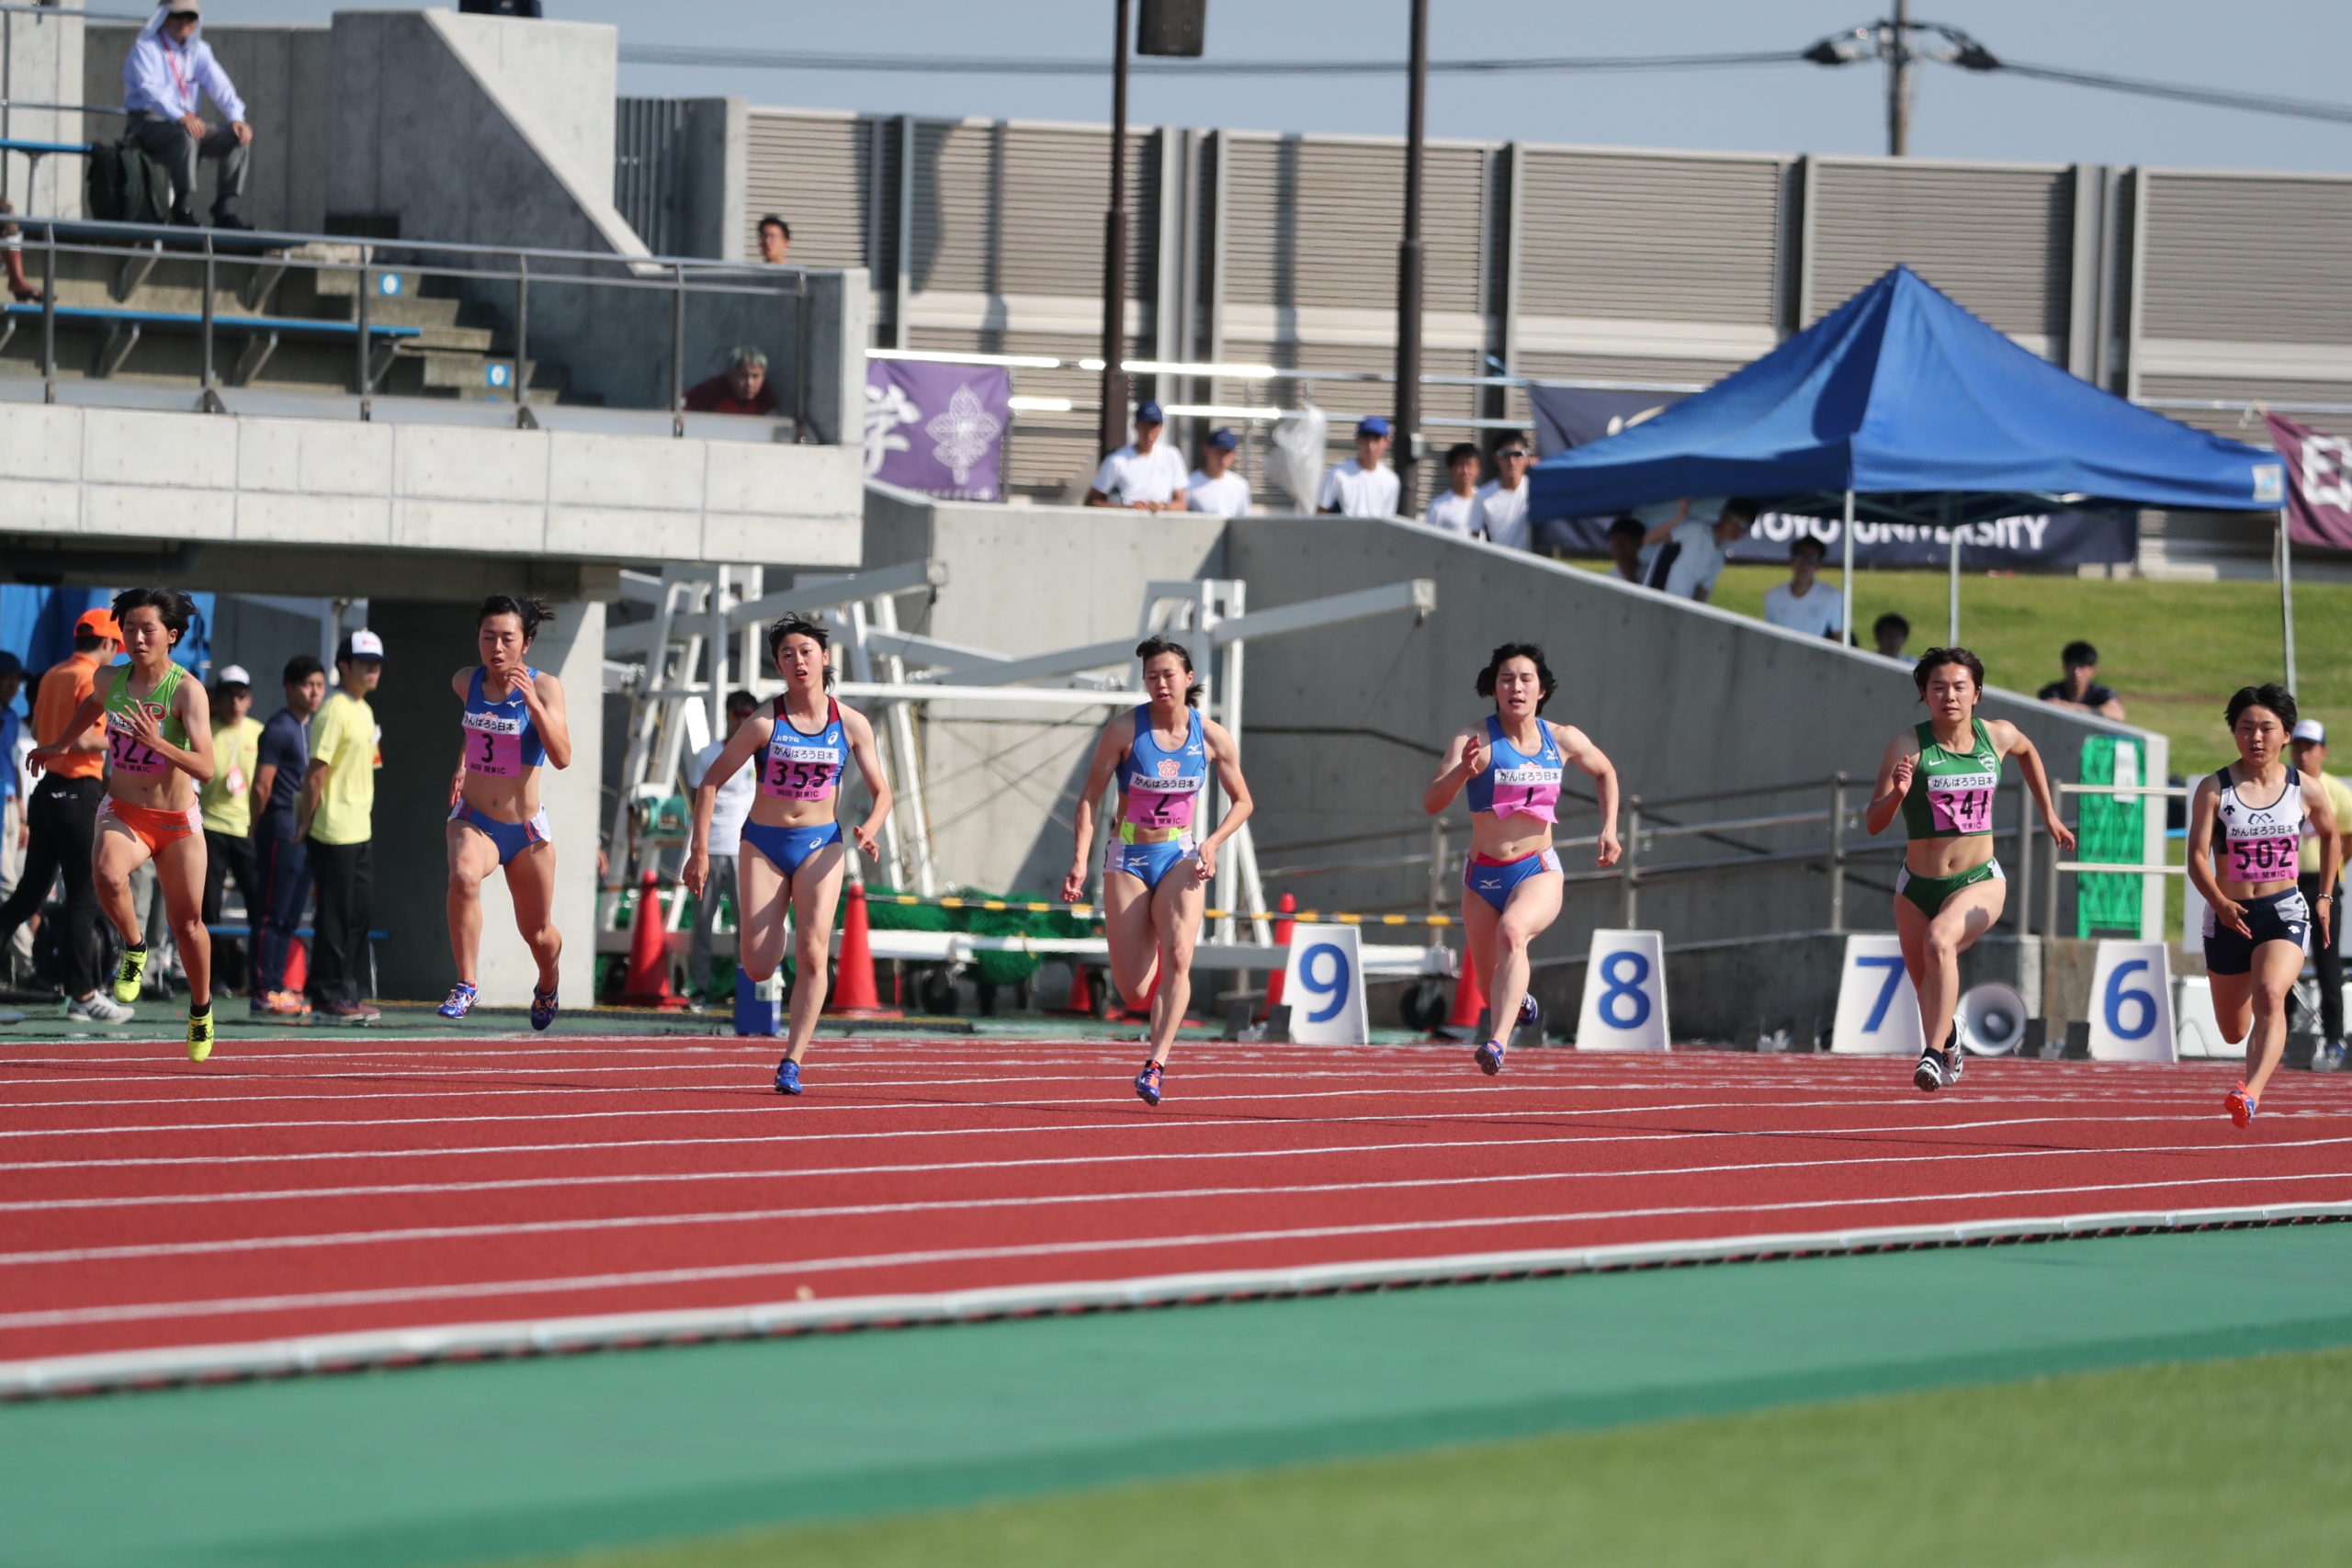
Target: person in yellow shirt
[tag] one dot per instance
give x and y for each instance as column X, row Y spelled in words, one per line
column 337, row 815
column 226, row 801
column 2310, row 745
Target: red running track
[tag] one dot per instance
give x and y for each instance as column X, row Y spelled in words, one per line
column 303, row 1187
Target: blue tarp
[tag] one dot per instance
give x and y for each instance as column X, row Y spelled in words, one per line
column 1902, row 397
column 37, row 625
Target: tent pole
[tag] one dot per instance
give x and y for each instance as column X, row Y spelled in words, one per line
column 1954, row 617
column 1846, row 586
column 2286, row 596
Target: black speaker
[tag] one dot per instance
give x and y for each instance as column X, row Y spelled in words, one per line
column 1172, row 26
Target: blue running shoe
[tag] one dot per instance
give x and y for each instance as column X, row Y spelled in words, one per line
column 461, row 1002
column 1490, row 1057
column 788, row 1076
column 542, row 1008
column 1147, row 1084
column 1528, row 1013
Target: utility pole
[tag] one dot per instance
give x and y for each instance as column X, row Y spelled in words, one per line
column 1113, row 425
column 1409, row 274
column 1898, row 82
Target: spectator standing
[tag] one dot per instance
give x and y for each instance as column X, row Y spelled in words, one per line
column 1625, row 547
column 2310, row 745
column 1802, row 603
column 1145, row 475
column 167, row 74
column 727, row 819
column 282, row 859
column 338, row 818
column 742, row 387
column 1694, row 558
column 1454, row 509
column 1215, row 488
column 12, row 248
column 2080, row 688
column 775, row 239
column 1890, row 632
column 13, row 832
column 64, row 816
column 1364, row 486
column 226, row 802
column 1502, row 513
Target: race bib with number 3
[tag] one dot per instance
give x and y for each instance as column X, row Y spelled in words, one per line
column 129, row 753
column 494, row 746
column 800, row 772
column 1961, row 811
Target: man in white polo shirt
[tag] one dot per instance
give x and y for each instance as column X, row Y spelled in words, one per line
column 1694, row 557
column 1502, row 514
column 1455, row 510
column 1803, row 604
column 1143, row 476
column 1364, row 486
column 1215, row 488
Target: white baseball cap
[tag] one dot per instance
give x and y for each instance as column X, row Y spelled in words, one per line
column 361, row 644
column 2312, row 730
column 232, row 675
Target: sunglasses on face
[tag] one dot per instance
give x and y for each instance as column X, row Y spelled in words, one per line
column 1512, row 452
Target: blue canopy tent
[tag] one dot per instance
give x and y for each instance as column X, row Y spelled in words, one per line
column 1900, row 406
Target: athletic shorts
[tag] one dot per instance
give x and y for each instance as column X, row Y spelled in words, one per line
column 1932, row 893
column 150, row 826
column 1493, row 879
column 2275, row 916
column 1149, row 863
column 511, row 837
column 787, row 849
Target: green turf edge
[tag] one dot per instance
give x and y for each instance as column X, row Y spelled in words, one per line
column 2222, row 1461
column 490, row 1538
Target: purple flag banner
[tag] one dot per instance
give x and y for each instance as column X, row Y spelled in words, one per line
column 2319, row 483
column 938, row 428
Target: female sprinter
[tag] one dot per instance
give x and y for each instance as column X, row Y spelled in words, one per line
column 793, row 857
column 515, row 725
column 1155, row 874
column 1941, row 777
column 2257, row 925
column 159, row 740
column 1513, row 764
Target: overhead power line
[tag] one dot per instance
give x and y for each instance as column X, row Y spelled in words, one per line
column 2217, row 98
column 1020, row 65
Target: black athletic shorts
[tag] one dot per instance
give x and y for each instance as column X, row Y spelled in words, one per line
column 2275, row 916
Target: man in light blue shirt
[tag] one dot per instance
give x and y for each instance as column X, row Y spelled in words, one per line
column 170, row 70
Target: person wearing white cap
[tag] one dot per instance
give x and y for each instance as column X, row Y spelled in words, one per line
column 2308, row 743
column 226, row 802
column 337, row 815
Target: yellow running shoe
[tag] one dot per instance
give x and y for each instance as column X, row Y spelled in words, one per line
column 127, row 973
column 200, row 1036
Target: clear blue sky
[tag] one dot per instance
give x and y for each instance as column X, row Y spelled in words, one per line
column 2294, row 47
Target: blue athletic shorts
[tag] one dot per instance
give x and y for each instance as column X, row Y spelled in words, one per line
column 787, row 848
column 511, row 837
column 1493, row 880
column 1149, row 863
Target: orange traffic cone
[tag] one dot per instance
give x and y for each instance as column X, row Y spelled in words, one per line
column 1288, row 904
column 649, row 954
column 297, row 966
column 1081, row 992
column 1469, row 1003
column 855, row 994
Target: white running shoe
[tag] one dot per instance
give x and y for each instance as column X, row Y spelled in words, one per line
column 97, row 1008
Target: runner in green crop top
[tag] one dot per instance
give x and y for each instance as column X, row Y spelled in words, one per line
column 1942, row 776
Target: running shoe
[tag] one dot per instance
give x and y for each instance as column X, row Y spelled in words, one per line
column 1955, row 1059
column 788, row 1076
column 1932, row 1073
column 2328, row 1059
column 1528, row 1013
column 97, row 1008
column 1490, row 1057
column 461, row 1002
column 1147, row 1084
column 542, row 1008
column 291, row 1005
column 352, row 1012
column 200, row 1036
column 127, row 973
column 2240, row 1105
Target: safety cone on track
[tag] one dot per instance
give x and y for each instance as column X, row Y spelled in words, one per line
column 1283, row 923
column 1469, row 1003
column 649, row 954
column 855, row 994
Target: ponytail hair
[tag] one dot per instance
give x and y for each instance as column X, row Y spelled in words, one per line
column 792, row 624
column 529, row 614
column 1152, row 647
column 175, row 608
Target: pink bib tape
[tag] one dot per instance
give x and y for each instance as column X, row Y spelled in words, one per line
column 1961, row 811
column 494, row 746
column 800, row 773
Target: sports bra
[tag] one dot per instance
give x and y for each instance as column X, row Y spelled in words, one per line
column 123, row 747
column 2258, row 843
column 1516, row 783
column 804, row 767
column 1951, row 792
column 1160, row 787
column 502, row 739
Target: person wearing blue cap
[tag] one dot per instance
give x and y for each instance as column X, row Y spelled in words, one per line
column 1215, row 488
column 1142, row 476
column 1364, row 486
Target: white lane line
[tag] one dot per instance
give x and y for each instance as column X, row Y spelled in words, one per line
column 1194, row 1194
column 133, row 1312
column 1503, row 1140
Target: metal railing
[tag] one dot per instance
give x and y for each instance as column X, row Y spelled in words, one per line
column 502, row 277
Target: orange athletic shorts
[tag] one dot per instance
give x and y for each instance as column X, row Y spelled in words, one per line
column 153, row 828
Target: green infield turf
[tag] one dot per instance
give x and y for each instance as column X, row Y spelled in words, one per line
column 506, row 1460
